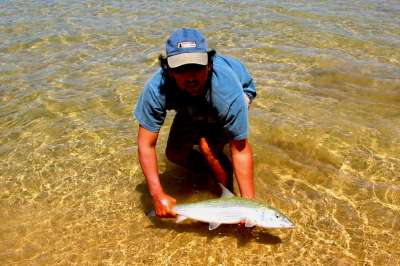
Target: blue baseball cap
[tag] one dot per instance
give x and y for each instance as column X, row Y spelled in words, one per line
column 186, row 46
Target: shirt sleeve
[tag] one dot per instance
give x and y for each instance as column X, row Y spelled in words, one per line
column 246, row 80
column 150, row 111
column 248, row 86
column 236, row 122
column 228, row 98
column 244, row 77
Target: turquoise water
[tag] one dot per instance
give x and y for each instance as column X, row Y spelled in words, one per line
column 325, row 132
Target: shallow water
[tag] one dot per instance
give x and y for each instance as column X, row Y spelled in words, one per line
column 325, row 132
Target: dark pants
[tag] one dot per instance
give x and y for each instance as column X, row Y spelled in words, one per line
column 185, row 133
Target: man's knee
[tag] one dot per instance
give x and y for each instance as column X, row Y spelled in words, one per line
column 192, row 160
column 205, row 149
column 209, row 150
column 175, row 156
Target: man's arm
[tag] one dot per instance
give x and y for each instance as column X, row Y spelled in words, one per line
column 242, row 160
column 163, row 203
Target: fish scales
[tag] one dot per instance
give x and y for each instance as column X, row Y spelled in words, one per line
column 229, row 209
column 222, row 214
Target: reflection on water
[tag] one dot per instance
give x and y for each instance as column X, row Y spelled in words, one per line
column 325, row 132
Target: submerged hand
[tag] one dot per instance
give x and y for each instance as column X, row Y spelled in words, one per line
column 163, row 205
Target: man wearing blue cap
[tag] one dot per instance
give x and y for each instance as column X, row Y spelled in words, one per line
column 210, row 93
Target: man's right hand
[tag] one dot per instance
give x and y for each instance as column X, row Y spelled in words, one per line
column 163, row 205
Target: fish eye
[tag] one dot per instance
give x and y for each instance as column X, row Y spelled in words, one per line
column 277, row 216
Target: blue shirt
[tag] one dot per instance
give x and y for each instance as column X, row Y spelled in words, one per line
column 224, row 97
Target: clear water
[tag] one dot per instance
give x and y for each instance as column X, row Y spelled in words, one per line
column 325, row 131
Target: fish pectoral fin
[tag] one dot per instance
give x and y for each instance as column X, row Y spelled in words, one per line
column 225, row 192
column 180, row 218
column 212, row 226
column 249, row 223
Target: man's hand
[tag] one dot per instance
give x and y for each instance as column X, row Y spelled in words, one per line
column 163, row 205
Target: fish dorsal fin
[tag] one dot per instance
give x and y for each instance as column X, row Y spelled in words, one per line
column 225, row 192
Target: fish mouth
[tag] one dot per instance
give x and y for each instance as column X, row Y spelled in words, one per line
column 284, row 226
column 290, row 225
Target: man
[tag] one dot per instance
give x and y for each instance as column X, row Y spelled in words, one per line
column 211, row 94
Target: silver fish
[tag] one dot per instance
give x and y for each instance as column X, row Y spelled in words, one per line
column 229, row 209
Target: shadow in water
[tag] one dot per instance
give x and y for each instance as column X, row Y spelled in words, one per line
column 243, row 235
column 182, row 185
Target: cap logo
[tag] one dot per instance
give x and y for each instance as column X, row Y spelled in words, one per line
column 187, row 45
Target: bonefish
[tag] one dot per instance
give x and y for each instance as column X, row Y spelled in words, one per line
column 229, row 209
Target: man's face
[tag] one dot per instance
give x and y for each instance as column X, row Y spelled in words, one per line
column 191, row 78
